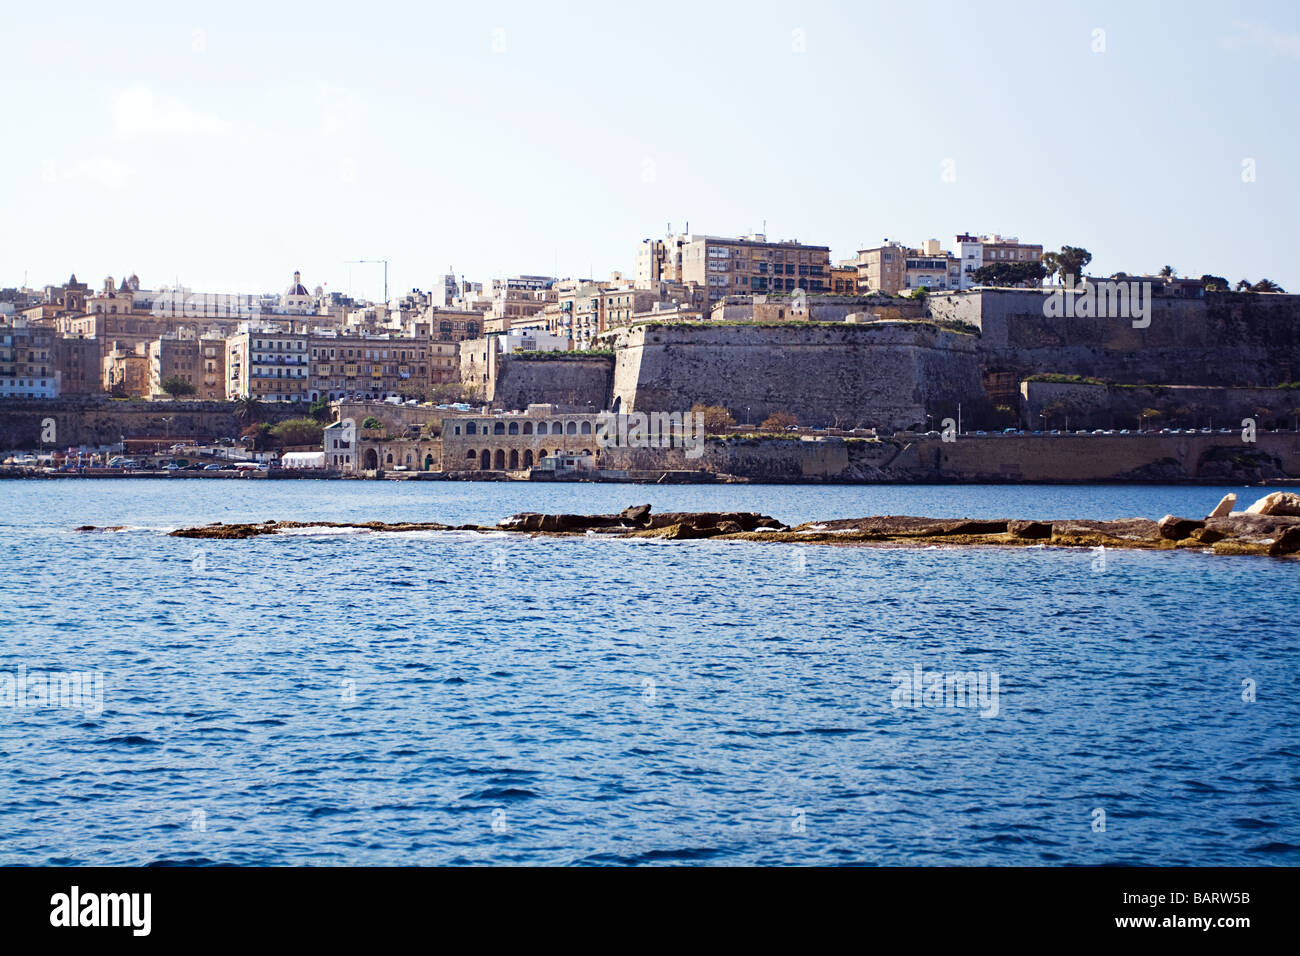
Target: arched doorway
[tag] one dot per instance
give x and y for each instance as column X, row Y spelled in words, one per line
column 500, row 461
column 514, row 459
column 485, row 462
column 428, row 462
column 371, row 460
column 528, row 458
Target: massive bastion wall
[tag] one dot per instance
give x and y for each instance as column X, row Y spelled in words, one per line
column 1225, row 338
column 882, row 374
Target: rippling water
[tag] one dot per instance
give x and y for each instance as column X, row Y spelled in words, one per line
column 459, row 698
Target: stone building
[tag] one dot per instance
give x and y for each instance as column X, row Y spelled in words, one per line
column 126, row 369
column 78, row 365
column 516, row 441
column 892, row 268
column 724, row 266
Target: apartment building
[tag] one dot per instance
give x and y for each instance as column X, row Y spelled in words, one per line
column 174, row 355
column 375, row 366
column 516, row 299
column 975, row 252
column 894, row 268
column 753, row 265
column 269, row 363
column 27, row 364
column 453, row 325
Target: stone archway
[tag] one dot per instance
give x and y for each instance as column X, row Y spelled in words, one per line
column 500, row 461
column 371, row 460
column 528, row 458
column 514, row 459
column 428, row 462
column 485, row 461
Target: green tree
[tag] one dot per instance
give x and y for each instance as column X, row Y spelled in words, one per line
column 1168, row 272
column 175, row 386
column 372, row 422
column 247, row 408
column 1010, row 274
column 298, row 431
column 1215, row 283
column 1266, row 285
column 320, row 409
column 1243, row 285
column 1070, row 261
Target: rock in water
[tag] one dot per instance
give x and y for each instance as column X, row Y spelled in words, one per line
column 1224, row 508
column 637, row 514
column 1174, row 528
column 1278, row 503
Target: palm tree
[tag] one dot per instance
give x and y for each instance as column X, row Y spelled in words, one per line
column 1243, row 285
column 1168, row 272
column 247, row 408
column 1266, row 285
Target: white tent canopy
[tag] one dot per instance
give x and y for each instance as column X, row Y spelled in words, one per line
column 303, row 459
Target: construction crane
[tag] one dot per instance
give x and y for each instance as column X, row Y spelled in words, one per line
column 375, row 262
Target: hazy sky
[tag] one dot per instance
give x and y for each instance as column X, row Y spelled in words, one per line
column 229, row 147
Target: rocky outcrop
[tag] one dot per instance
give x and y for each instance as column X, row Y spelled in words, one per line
column 1278, row 503
column 1225, row 506
column 1173, row 528
column 638, row 521
column 241, row 531
column 1276, row 535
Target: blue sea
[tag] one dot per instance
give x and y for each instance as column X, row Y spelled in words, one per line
column 338, row 697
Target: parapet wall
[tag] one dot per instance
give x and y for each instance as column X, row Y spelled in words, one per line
column 883, row 374
column 579, row 382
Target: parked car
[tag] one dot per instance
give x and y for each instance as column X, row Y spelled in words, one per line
column 211, row 467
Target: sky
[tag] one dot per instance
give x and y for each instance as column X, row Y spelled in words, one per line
column 223, row 148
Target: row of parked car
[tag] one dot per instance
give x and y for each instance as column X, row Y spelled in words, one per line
column 135, row 464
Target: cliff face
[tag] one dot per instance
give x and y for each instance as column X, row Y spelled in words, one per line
column 883, row 374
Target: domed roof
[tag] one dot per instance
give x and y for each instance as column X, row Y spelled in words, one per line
column 297, row 288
